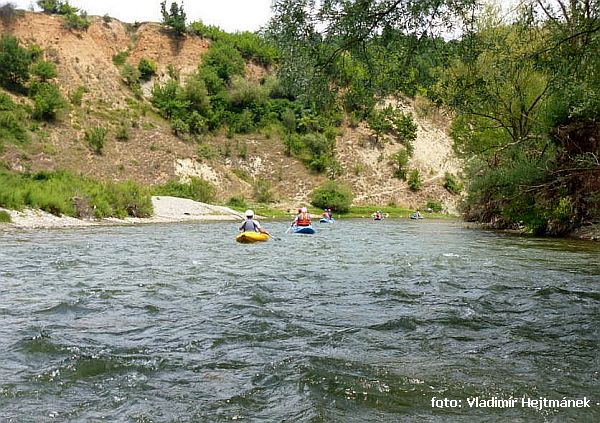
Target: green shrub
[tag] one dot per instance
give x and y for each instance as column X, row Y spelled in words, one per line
column 57, row 7
column 74, row 21
column 225, row 60
column 14, row 61
column 77, row 95
column 242, row 123
column 242, row 150
column 179, row 127
column 263, row 191
column 12, row 128
column 391, row 121
column 47, row 100
column 251, row 46
column 415, row 182
column 244, row 93
column 242, row 174
column 288, row 119
column 130, row 75
column 434, row 205
column 197, row 189
column 96, row 137
column 174, row 18
column 63, row 193
column 50, row 6
column 122, row 132
column 147, row 69
column 6, row 103
column 452, row 184
column 237, row 202
column 206, row 152
column 44, row 70
column 214, row 84
column 338, row 197
column 120, row 58
column 196, row 94
column 400, row 162
column 170, row 99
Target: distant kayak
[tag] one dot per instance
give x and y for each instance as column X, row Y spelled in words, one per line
column 249, row 237
column 416, row 216
column 303, row 229
column 325, row 220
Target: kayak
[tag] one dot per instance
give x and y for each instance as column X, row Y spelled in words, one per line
column 325, row 220
column 249, row 237
column 303, row 229
column 416, row 216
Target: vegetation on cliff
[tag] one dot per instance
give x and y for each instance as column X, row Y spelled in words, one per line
column 524, row 92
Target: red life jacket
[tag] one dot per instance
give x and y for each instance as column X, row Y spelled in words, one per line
column 303, row 219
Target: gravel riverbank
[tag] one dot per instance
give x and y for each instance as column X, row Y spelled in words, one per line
column 166, row 209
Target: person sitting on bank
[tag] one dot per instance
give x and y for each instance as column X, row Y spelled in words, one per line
column 303, row 218
column 251, row 224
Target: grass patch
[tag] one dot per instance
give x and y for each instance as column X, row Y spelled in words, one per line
column 197, row 189
column 62, row 193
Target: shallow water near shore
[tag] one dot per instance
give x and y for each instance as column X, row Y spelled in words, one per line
column 362, row 322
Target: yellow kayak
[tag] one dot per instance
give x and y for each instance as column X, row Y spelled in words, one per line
column 249, row 237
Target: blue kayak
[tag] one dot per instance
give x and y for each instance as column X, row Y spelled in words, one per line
column 325, row 220
column 303, row 229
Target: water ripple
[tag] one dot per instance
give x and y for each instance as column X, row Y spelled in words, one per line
column 362, row 322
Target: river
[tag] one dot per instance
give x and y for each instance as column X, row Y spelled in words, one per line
column 362, row 322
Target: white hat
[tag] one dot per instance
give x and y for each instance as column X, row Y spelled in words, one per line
column 304, row 210
column 249, row 213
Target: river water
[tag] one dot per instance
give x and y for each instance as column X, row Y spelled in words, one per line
column 362, row 322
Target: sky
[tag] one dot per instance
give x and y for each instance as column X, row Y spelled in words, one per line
column 229, row 15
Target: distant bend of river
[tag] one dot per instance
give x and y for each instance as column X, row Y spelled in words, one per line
column 362, row 322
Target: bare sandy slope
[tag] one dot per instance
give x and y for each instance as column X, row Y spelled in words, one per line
column 166, row 209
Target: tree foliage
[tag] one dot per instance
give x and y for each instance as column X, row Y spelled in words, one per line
column 14, row 61
column 174, row 17
column 328, row 42
column 526, row 95
column 338, row 197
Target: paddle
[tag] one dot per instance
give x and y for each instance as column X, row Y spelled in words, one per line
column 272, row 237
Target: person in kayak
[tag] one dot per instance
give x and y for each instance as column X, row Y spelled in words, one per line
column 251, row 224
column 303, row 218
column 327, row 214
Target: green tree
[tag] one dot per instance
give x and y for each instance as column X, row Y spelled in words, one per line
column 14, row 61
column 225, row 60
column 44, row 70
column 316, row 39
column 415, row 181
column 147, row 69
column 174, row 18
column 391, row 121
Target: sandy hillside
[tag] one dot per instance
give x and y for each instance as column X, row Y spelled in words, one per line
column 153, row 155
